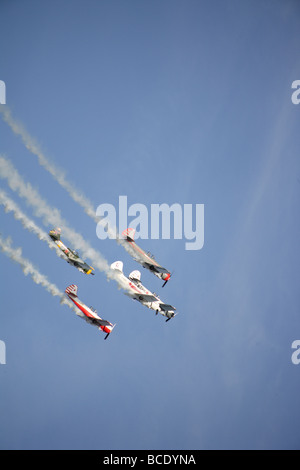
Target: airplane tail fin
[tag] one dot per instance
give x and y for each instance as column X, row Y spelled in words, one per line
column 129, row 234
column 117, row 266
column 72, row 289
column 55, row 233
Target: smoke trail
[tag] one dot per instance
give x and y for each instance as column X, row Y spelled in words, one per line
column 27, row 267
column 10, row 206
column 52, row 216
column 48, row 214
column 59, row 176
column 57, row 173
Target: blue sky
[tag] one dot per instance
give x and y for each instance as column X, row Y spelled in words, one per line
column 162, row 101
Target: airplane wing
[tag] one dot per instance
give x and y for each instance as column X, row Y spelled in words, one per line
column 168, row 311
column 145, row 297
column 100, row 322
column 167, row 308
column 74, row 256
column 74, row 259
column 158, row 269
column 81, row 264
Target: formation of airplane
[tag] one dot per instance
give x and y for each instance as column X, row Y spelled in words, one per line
column 89, row 313
column 72, row 257
column 146, row 259
column 132, row 284
column 135, row 289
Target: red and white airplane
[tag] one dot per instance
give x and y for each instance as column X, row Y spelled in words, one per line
column 135, row 289
column 89, row 313
column 146, row 259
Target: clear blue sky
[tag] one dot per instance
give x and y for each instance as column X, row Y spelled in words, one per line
column 162, row 101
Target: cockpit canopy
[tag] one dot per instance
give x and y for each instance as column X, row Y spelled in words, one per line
column 75, row 253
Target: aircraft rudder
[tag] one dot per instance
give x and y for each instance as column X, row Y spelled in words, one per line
column 55, row 233
column 72, row 289
column 117, row 266
column 129, row 234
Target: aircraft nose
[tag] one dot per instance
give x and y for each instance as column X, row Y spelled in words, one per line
column 166, row 277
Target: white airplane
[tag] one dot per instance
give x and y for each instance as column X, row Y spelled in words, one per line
column 135, row 289
column 89, row 313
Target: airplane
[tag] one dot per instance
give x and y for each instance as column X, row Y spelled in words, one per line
column 89, row 313
column 135, row 289
column 147, row 260
column 72, row 256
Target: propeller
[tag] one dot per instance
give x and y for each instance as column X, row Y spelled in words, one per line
column 110, row 331
column 171, row 274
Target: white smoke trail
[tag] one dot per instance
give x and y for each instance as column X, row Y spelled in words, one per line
column 57, row 173
column 59, row 176
column 27, row 267
column 10, row 206
column 52, row 216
